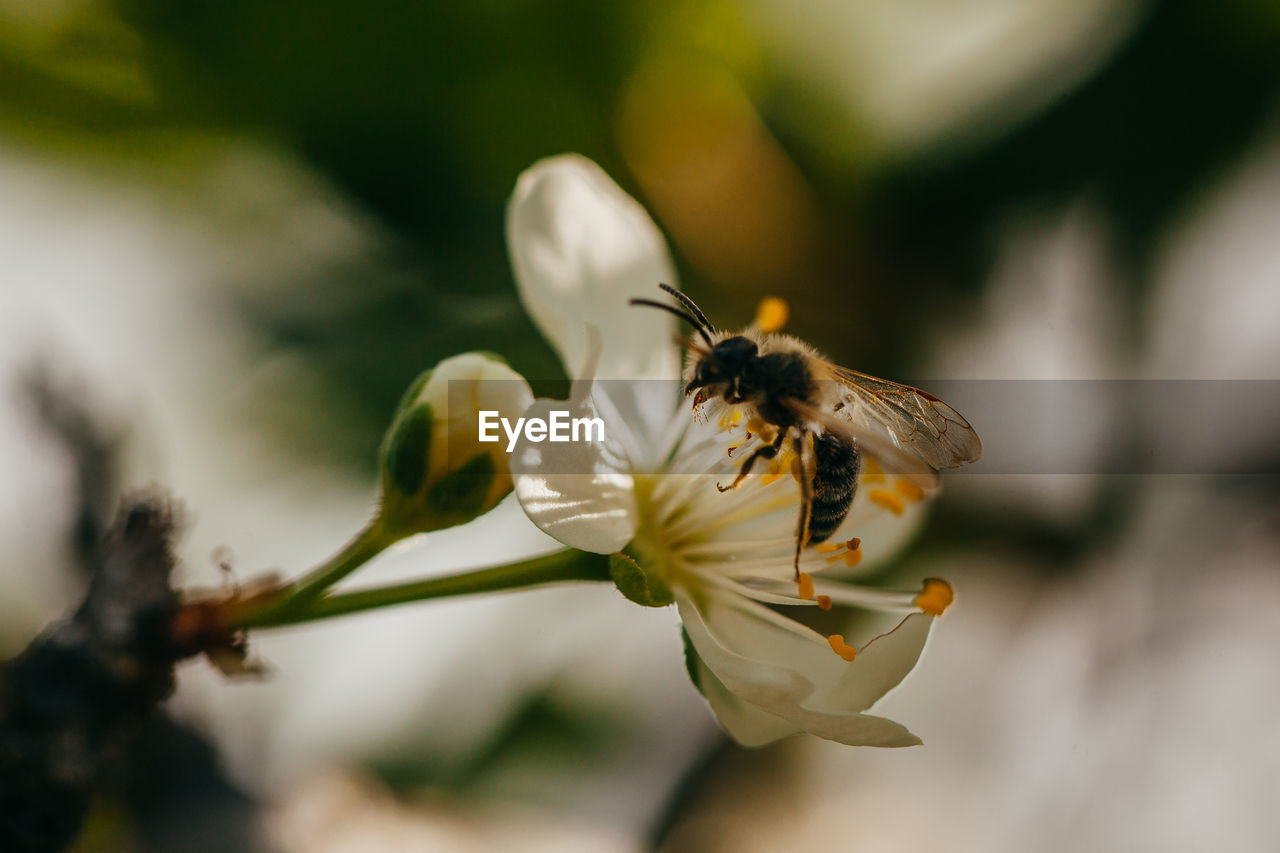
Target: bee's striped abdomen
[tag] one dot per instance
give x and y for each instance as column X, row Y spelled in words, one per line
column 835, row 480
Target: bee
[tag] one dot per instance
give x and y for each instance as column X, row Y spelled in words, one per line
column 835, row 418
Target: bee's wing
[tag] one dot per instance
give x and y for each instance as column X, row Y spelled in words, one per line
column 873, row 443
column 898, row 420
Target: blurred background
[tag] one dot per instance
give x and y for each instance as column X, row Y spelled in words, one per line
column 231, row 233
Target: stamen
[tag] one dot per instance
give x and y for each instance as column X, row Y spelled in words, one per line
column 891, row 501
column 908, row 489
column 936, row 596
column 824, row 602
column 771, row 314
column 850, row 552
column 841, row 648
column 805, row 585
column 871, row 472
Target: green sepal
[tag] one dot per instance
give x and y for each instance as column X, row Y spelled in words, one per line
column 636, row 584
column 462, row 493
column 406, row 451
column 691, row 661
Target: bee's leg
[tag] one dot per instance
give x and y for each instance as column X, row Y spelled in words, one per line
column 767, row 452
column 808, row 466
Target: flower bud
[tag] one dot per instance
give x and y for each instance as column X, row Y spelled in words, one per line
column 435, row 470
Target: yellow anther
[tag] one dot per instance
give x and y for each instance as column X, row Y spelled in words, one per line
column 771, row 314
column 871, row 472
column 850, row 552
column 824, row 602
column 755, row 424
column 936, row 596
column 805, row 584
column 908, row 489
column 891, row 501
column 839, row 646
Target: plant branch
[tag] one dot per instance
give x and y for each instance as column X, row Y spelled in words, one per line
column 567, row 565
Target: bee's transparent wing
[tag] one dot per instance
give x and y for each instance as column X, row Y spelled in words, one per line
column 892, row 420
column 891, row 458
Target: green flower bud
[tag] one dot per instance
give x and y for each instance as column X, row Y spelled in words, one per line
column 435, row 470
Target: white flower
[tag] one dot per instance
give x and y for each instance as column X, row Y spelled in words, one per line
column 581, row 248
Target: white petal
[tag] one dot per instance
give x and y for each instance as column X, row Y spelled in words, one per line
column 580, row 249
column 781, row 692
column 745, row 723
column 853, row 729
column 754, row 631
column 764, row 684
column 582, row 493
column 883, row 533
column 879, row 667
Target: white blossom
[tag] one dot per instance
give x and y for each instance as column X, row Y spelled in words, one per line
column 581, row 248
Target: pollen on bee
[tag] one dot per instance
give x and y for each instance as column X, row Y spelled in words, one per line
column 935, row 597
column 777, row 467
column 908, row 489
column 771, row 314
column 805, row 585
column 731, row 419
column 840, row 647
column 891, row 501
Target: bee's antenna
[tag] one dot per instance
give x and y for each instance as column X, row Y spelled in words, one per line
column 688, row 318
column 693, row 308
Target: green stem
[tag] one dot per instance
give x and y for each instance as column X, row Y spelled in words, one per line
column 566, row 565
column 375, row 538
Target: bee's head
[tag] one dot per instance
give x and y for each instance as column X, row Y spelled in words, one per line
column 722, row 370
